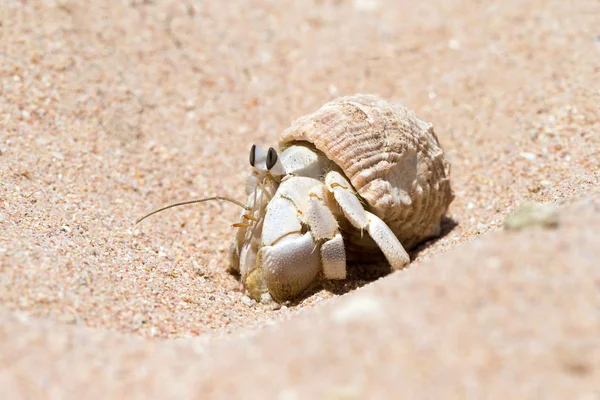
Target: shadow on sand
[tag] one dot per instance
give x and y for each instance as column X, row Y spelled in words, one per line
column 360, row 274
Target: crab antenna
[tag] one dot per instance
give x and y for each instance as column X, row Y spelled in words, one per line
column 183, row 203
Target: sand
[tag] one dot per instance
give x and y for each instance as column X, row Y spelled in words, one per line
column 111, row 109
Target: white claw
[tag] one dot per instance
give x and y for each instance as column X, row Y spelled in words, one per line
column 290, row 266
column 290, row 261
column 281, row 220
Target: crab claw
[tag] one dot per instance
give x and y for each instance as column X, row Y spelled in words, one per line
column 290, row 266
column 299, row 240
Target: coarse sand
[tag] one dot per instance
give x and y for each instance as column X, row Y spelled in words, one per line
column 109, row 109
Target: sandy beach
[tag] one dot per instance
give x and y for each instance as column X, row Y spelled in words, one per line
column 109, row 109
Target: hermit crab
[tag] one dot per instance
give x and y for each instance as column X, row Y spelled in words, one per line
column 358, row 177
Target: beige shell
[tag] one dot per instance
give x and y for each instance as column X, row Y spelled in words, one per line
column 392, row 158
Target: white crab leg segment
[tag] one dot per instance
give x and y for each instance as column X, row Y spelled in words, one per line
column 387, row 242
column 247, row 259
column 362, row 219
column 346, row 198
column 319, row 217
column 333, row 258
column 324, row 226
column 244, row 249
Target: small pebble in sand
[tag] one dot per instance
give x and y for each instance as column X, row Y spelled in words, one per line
column 266, row 298
column 528, row 156
column 366, row 5
column 532, row 214
column 248, row 301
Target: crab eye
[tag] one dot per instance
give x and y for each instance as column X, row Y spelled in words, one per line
column 252, row 155
column 271, row 158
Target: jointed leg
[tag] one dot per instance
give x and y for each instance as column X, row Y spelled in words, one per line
column 362, row 219
column 324, row 226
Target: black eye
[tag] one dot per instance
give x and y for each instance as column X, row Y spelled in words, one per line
column 252, row 154
column 271, row 158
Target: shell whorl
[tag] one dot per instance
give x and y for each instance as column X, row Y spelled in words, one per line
column 392, row 158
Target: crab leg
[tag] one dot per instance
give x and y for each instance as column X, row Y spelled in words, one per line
column 362, row 219
column 324, row 226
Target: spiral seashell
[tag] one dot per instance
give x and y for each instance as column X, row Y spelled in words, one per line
column 392, row 158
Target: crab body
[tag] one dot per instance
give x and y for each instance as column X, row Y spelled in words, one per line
column 360, row 174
